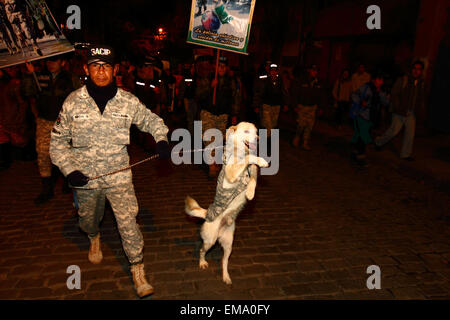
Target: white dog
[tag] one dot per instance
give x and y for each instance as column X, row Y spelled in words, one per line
column 235, row 185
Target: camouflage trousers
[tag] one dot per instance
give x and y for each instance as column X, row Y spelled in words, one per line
column 43, row 135
column 211, row 121
column 125, row 206
column 305, row 121
column 270, row 117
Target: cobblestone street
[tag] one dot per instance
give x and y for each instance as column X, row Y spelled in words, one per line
column 310, row 233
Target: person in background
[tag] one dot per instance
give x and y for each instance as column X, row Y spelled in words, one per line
column 216, row 115
column 241, row 96
column 187, row 94
column 47, row 97
column 269, row 98
column 407, row 97
column 307, row 97
column 367, row 100
column 342, row 91
column 360, row 77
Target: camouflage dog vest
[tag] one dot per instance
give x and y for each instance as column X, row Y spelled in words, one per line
column 224, row 196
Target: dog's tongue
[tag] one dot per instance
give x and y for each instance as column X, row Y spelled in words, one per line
column 252, row 146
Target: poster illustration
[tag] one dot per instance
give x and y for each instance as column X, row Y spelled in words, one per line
column 221, row 24
column 28, row 32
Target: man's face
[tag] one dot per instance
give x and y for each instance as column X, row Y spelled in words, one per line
column 361, row 69
column 54, row 66
column 101, row 73
column 313, row 73
column 378, row 82
column 222, row 69
column 417, row 71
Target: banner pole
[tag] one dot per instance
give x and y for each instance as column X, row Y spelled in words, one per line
column 215, row 77
column 37, row 81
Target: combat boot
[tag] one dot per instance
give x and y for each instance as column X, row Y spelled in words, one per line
column 95, row 255
column 143, row 288
column 46, row 192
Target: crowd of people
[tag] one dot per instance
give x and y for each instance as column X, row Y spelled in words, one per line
column 33, row 93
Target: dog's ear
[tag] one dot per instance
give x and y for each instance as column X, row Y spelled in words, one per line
column 230, row 130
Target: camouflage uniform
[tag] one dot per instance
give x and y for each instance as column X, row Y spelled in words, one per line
column 211, row 121
column 43, row 130
column 305, row 121
column 307, row 94
column 270, row 117
column 99, row 146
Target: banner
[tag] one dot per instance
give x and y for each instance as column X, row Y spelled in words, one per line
column 221, row 24
column 28, row 32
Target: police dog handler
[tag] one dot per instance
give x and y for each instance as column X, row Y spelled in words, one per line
column 89, row 139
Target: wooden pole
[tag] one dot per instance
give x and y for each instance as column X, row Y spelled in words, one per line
column 37, row 81
column 215, row 77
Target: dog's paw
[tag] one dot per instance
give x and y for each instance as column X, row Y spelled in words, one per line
column 227, row 279
column 250, row 193
column 262, row 163
column 203, row 265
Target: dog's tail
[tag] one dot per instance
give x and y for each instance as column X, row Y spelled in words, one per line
column 193, row 209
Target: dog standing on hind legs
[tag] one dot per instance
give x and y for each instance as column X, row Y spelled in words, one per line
column 235, row 185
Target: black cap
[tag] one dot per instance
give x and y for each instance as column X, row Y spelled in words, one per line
column 273, row 66
column 100, row 53
column 150, row 61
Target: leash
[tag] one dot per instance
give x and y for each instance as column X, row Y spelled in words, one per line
column 145, row 160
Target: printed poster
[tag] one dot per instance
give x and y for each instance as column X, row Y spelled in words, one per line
column 222, row 24
column 28, row 31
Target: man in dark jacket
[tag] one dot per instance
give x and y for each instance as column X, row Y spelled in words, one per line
column 216, row 115
column 306, row 96
column 54, row 85
column 270, row 95
column 407, row 97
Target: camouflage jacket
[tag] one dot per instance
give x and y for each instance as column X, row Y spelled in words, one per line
column 84, row 139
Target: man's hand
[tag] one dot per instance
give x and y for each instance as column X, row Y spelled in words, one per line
column 77, row 179
column 162, row 148
column 30, row 67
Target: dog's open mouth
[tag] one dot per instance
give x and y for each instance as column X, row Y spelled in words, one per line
column 250, row 145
